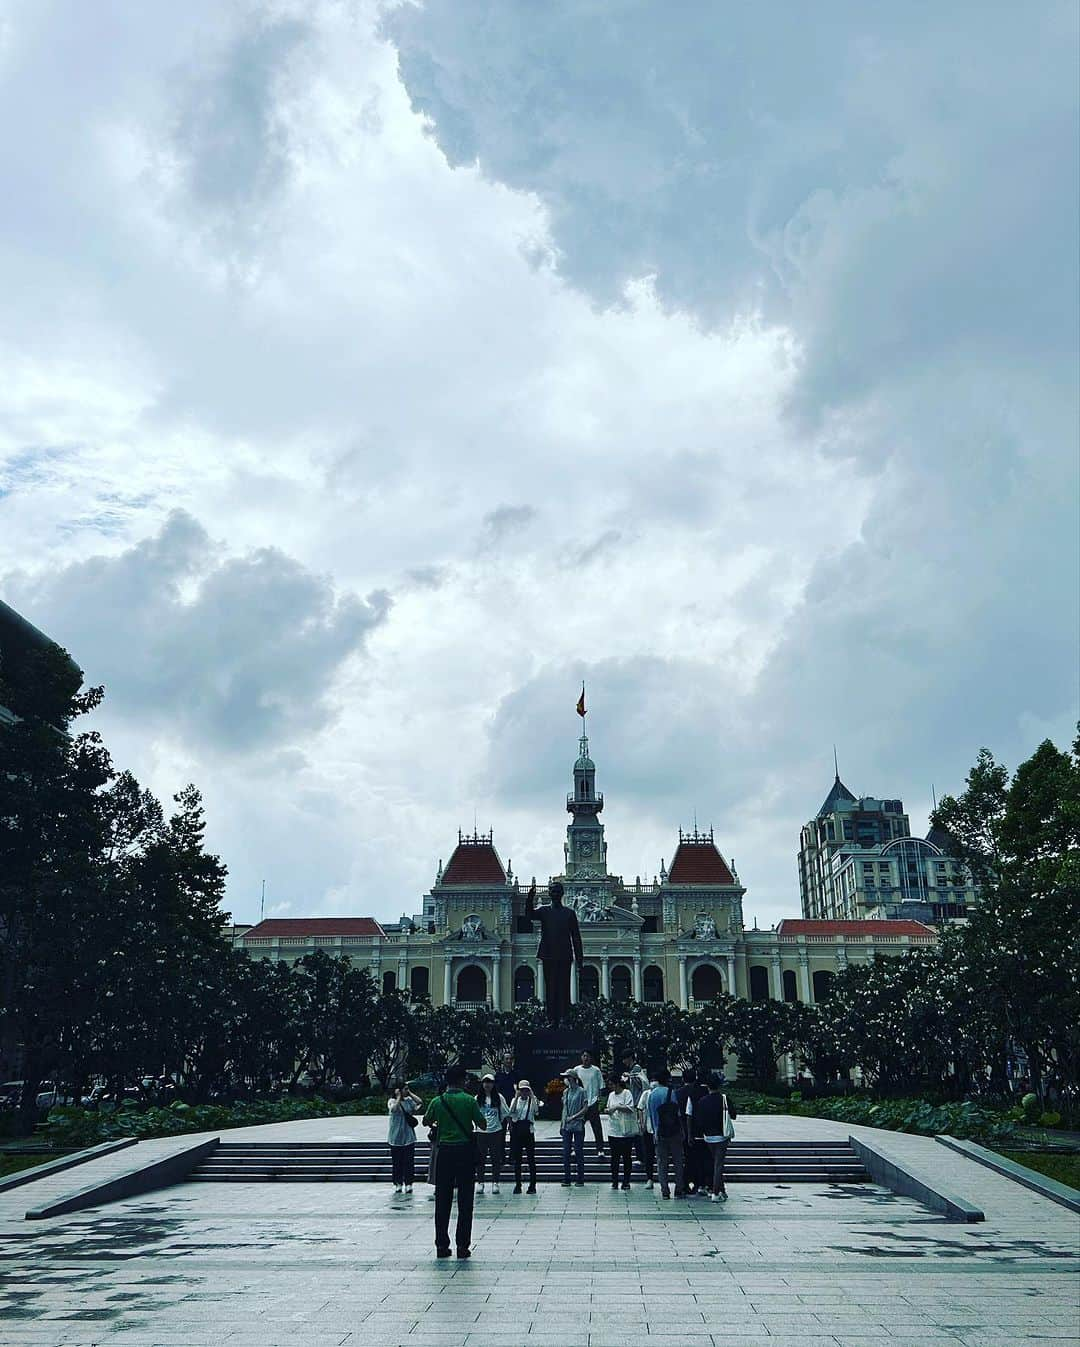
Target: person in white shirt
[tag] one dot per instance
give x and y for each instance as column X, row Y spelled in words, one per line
column 491, row 1143
column 647, row 1141
column 592, row 1078
column 622, row 1130
column 523, row 1111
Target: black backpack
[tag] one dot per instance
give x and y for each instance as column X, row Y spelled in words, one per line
column 668, row 1122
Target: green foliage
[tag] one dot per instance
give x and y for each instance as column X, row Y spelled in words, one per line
column 85, row 1127
column 1062, row 1168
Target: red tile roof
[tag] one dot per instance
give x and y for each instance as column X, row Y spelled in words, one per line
column 474, row 862
column 799, row 926
column 699, row 863
column 303, row 926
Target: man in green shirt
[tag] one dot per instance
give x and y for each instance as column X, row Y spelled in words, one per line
column 455, row 1114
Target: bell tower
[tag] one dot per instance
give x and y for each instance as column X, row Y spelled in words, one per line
column 586, row 850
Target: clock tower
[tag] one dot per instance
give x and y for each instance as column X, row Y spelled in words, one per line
column 586, row 850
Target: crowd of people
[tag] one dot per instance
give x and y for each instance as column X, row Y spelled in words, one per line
column 676, row 1131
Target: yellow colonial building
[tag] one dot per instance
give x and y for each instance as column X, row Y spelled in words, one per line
column 679, row 937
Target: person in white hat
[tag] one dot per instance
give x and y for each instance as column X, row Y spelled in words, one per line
column 575, row 1105
column 491, row 1143
column 523, row 1111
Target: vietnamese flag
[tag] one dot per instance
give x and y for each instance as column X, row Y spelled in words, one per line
column 581, row 702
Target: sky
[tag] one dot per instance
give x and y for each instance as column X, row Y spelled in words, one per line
column 372, row 374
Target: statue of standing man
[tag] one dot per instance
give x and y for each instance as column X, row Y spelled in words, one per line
column 560, row 943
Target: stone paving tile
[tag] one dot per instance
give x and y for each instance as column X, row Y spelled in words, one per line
column 296, row 1265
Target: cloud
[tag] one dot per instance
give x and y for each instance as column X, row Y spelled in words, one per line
column 239, row 653
column 771, row 324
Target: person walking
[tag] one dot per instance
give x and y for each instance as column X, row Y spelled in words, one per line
column 404, row 1108
column 715, row 1115
column 454, row 1114
column 622, row 1130
column 523, row 1111
column 574, row 1107
column 592, row 1078
column 491, row 1143
column 647, row 1139
column 668, row 1130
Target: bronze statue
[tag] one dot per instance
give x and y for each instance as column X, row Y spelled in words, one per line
column 560, row 943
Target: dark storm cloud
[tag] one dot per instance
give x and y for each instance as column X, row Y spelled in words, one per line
column 237, row 652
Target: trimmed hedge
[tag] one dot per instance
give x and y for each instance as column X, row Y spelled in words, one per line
column 86, row 1127
column 959, row 1119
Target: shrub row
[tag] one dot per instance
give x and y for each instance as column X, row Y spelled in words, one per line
column 83, row 1127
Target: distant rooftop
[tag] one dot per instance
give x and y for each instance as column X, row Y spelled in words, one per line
column 475, row 861
column 282, row 927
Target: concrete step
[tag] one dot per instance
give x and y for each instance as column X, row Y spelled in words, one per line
column 369, row 1162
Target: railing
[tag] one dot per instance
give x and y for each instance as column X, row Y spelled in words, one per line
column 473, row 1005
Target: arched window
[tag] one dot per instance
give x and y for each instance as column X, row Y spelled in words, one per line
column 418, row 981
column 389, row 980
column 706, row 984
column 524, row 984
column 589, row 983
column 472, row 985
column 620, row 983
column 791, row 992
column 759, row 983
column 823, row 984
column 652, row 984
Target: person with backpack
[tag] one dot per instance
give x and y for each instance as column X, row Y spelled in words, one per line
column 715, row 1115
column 491, row 1143
column 454, row 1115
column 647, row 1137
column 696, row 1155
column 403, row 1107
column 668, row 1130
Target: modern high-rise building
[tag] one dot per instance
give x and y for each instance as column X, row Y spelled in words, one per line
column 857, row 859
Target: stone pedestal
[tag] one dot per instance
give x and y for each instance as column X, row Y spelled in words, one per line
column 541, row 1057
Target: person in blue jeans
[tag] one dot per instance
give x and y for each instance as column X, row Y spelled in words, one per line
column 575, row 1104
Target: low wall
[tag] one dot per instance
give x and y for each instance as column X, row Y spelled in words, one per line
column 1029, row 1178
column 899, row 1175
column 63, row 1162
column 130, row 1182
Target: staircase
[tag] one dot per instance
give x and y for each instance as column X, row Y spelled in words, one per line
column 369, row 1162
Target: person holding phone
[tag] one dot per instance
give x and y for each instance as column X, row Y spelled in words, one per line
column 523, row 1111
column 403, row 1107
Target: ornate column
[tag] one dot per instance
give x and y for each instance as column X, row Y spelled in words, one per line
column 777, row 978
column 731, row 975
column 804, row 978
column 496, row 962
column 446, row 979
column 605, row 977
column 573, row 983
column 684, row 996
column 541, row 986
column 402, row 971
column 637, row 979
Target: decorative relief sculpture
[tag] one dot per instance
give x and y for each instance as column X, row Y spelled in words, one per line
column 472, row 928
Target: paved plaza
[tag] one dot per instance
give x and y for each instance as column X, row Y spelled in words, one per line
column 310, row 1265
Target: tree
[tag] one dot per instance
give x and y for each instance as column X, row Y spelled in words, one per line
column 1021, row 841
column 54, row 835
